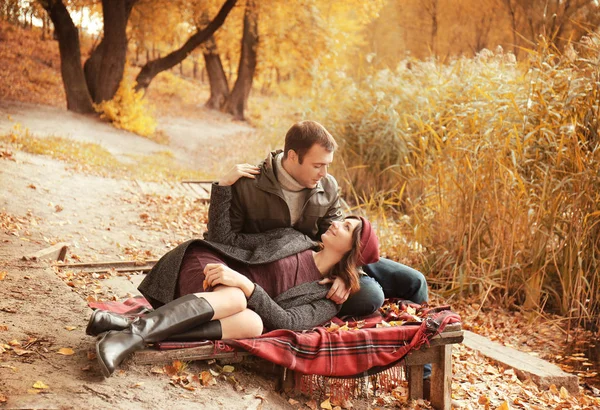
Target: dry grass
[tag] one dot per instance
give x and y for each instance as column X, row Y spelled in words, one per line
column 482, row 171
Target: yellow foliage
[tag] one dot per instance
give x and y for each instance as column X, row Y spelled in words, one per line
column 129, row 110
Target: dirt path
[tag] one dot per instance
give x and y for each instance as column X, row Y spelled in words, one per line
column 43, row 201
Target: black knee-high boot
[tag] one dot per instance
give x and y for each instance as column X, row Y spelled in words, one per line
column 208, row 331
column 175, row 317
column 103, row 321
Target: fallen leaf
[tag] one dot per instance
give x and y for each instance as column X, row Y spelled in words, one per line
column 3, row 398
column 228, row 369
column 205, row 378
column 69, row 328
column 326, row 405
column 293, row 402
column 334, row 327
column 21, row 352
column 311, row 404
column 136, row 385
column 14, row 342
column 504, row 406
column 564, row 394
column 40, row 385
column 346, row 404
column 33, row 391
column 157, row 370
column 58, row 208
column 31, row 186
column 3, row 274
column 3, row 328
column 66, row 351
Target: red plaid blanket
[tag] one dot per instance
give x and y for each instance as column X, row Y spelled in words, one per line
column 338, row 353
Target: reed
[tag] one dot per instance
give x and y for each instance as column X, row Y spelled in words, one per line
column 481, row 171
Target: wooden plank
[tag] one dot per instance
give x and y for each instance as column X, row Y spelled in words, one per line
column 107, row 264
column 120, row 266
column 206, row 352
column 541, row 372
column 56, row 252
column 441, row 379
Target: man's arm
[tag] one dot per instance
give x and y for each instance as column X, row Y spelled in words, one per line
column 220, row 227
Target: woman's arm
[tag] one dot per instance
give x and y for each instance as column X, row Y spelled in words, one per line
column 302, row 316
column 218, row 274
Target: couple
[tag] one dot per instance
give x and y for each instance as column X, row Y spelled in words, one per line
column 260, row 261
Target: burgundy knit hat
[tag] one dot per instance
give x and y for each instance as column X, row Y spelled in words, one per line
column 369, row 244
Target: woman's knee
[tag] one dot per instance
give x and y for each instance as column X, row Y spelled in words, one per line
column 253, row 322
column 242, row 325
column 236, row 297
column 366, row 301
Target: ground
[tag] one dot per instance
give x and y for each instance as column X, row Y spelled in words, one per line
column 45, row 201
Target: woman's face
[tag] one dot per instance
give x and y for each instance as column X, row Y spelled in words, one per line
column 339, row 235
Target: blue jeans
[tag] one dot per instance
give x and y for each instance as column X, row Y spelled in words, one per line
column 386, row 279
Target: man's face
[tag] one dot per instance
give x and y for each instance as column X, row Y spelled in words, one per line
column 314, row 165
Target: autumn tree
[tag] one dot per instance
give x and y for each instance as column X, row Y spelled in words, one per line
column 152, row 68
column 101, row 75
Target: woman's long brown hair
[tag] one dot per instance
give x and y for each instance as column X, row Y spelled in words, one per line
column 346, row 268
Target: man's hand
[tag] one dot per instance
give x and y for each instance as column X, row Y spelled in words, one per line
column 218, row 274
column 338, row 292
column 237, row 172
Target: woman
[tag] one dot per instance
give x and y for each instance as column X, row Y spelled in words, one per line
column 237, row 307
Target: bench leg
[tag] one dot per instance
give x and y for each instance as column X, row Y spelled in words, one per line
column 441, row 379
column 415, row 382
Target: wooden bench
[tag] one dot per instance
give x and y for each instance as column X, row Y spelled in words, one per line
column 438, row 353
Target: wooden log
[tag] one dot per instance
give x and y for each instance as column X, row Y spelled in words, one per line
column 56, row 252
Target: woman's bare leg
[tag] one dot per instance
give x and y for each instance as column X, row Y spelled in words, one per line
column 241, row 325
column 225, row 301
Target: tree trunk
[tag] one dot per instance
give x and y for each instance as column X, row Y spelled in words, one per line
column 237, row 101
column 102, row 84
column 152, row 68
column 114, row 52
column 78, row 97
column 219, row 88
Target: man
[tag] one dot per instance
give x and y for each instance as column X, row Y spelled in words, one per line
column 293, row 188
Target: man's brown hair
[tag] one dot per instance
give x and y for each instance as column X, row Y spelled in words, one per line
column 303, row 135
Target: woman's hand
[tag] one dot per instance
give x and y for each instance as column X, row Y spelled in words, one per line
column 219, row 274
column 338, row 292
column 237, row 172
